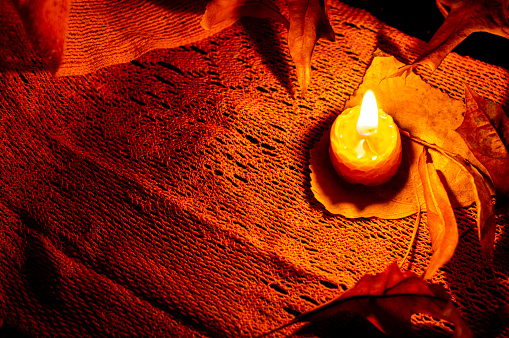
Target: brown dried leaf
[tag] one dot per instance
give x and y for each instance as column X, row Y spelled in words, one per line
column 442, row 224
column 478, row 131
column 464, row 18
column 388, row 300
column 485, row 209
column 485, row 220
column 227, row 12
column 45, row 22
column 308, row 23
column 417, row 108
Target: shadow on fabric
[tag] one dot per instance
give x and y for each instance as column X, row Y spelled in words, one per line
column 270, row 45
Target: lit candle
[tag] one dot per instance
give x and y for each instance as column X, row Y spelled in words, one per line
column 365, row 144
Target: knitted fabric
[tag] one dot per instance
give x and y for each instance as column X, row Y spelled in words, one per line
column 170, row 195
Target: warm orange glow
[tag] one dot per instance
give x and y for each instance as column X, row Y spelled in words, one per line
column 365, row 144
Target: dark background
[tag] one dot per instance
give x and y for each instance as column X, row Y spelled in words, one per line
column 421, row 19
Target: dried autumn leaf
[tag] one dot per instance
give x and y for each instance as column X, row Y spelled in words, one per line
column 485, row 209
column 417, row 108
column 45, row 22
column 484, row 142
column 464, row 18
column 227, row 12
column 308, row 23
column 485, row 219
column 388, row 300
column 393, row 199
column 442, row 224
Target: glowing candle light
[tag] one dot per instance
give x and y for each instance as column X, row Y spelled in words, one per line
column 365, row 144
column 367, row 123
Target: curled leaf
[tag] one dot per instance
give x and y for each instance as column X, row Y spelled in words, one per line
column 228, row 12
column 464, row 18
column 308, row 23
column 441, row 220
column 478, row 131
column 485, row 209
column 485, row 219
column 388, row 300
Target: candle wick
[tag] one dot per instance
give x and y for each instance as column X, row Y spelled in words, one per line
column 368, row 148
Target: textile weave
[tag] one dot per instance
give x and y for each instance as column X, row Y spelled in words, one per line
column 170, row 195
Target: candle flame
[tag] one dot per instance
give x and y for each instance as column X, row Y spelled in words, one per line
column 368, row 118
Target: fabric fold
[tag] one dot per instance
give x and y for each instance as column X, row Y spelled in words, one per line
column 81, row 36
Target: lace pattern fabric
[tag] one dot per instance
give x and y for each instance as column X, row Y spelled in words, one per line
column 170, row 195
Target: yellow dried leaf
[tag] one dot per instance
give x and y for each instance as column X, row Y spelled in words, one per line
column 442, row 224
column 423, row 111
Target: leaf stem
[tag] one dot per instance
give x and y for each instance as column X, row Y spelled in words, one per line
column 412, row 240
column 416, row 224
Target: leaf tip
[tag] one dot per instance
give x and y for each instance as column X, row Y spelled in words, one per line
column 404, row 71
column 207, row 19
column 304, row 77
column 204, row 23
